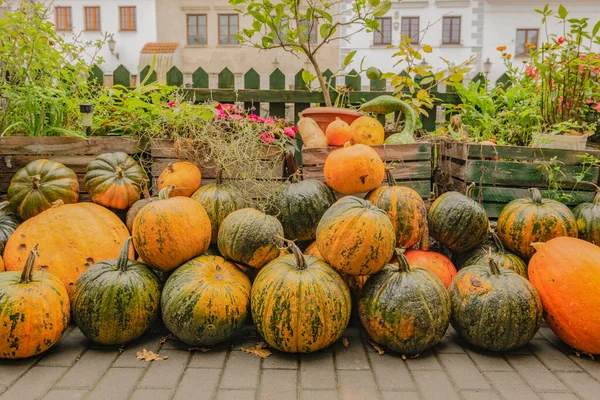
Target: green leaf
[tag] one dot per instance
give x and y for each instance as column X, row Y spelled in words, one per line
column 307, row 77
column 324, row 30
column 348, row 59
column 562, row 12
column 382, row 9
column 427, row 81
column 596, row 29
column 374, row 3
column 325, row 15
column 267, row 41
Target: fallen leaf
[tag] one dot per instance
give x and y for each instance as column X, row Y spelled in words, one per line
column 345, row 342
column 202, row 349
column 261, row 345
column 403, row 356
column 147, row 355
column 377, row 347
column 170, row 336
column 415, row 356
column 258, row 351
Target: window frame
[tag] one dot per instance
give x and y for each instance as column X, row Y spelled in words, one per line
column 67, row 18
column 130, row 19
column 527, row 31
column 231, row 41
column 452, row 18
column 187, row 20
column 96, row 17
column 379, row 34
column 411, row 34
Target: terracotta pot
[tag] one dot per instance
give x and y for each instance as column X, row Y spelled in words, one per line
column 326, row 115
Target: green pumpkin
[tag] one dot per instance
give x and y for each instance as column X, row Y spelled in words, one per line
column 40, row 183
column 250, row 237
column 219, row 200
column 206, row 301
column 494, row 308
column 587, row 216
column 501, row 257
column 8, row 224
column 404, row 308
column 457, row 221
column 299, row 207
column 116, row 301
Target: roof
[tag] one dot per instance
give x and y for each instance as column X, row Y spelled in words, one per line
column 159, row 48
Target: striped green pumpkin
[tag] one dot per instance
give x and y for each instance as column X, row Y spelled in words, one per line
column 501, row 257
column 587, row 216
column 8, row 224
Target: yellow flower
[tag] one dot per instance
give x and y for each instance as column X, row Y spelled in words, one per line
column 532, row 46
column 501, row 48
column 508, row 56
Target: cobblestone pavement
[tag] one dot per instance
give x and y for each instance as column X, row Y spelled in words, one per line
column 74, row 369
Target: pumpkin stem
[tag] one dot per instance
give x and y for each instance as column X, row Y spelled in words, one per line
column 145, row 191
column 390, row 177
column 597, row 197
column 27, row 273
column 403, row 265
column 470, row 189
column 35, row 182
column 493, row 266
column 219, row 176
column 119, row 172
column 165, row 192
column 537, row 245
column 123, row 260
column 497, row 241
column 348, row 144
column 170, row 168
column 536, row 196
column 424, row 244
column 300, row 260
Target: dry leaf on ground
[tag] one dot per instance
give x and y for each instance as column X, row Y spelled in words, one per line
column 259, row 350
column 345, row 342
column 202, row 349
column 377, row 347
column 170, row 336
column 147, row 356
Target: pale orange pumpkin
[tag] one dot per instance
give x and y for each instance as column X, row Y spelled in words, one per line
column 338, row 133
column 367, row 130
column 353, row 169
column 437, row 263
column 1, row 264
column 184, row 175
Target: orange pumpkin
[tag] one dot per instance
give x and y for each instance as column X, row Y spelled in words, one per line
column 184, row 175
column 566, row 273
column 170, row 231
column 437, row 263
column 367, row 130
column 313, row 250
column 353, row 169
column 338, row 133
column 70, row 239
column 1, row 264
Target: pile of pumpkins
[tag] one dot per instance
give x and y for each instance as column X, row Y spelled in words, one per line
column 206, row 261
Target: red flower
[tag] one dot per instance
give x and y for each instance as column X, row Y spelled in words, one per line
column 289, row 131
column 598, row 107
column 267, row 137
column 561, row 40
column 172, row 103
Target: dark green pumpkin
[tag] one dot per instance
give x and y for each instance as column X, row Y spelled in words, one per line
column 138, row 205
column 8, row 224
column 494, row 308
column 457, row 221
column 587, row 216
column 40, row 183
column 219, row 200
column 299, row 207
column 404, row 308
column 501, row 257
column 116, row 301
column 206, row 301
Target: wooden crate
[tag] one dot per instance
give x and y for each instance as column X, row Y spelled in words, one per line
column 411, row 163
column 504, row 173
column 75, row 153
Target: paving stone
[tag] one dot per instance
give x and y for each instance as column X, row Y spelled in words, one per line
column 523, row 350
column 116, row 384
column 391, row 372
column 11, row 370
column 317, row 371
column 555, row 340
column 582, row 384
column 448, row 344
column 279, row 384
column 279, row 360
column 236, row 395
column 152, row 394
column 558, row 396
column 66, row 352
column 352, row 332
column 510, row 385
column 551, row 357
column 479, row 395
column 592, row 367
column 60, row 394
column 318, row 395
column 400, row 395
column 425, row 362
column 166, row 374
column 174, row 344
column 463, row 371
column 198, row 384
column 241, row 371
column 357, row 385
column 89, row 369
column 128, row 359
column 435, row 385
column 3, row 388
column 489, row 361
column 34, row 384
column 352, row 357
column 215, row 358
column 536, row 374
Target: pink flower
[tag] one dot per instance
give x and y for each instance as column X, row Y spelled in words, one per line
column 561, row 40
column 598, row 107
column 532, row 72
column 236, row 117
column 289, row 131
column 589, row 101
column 267, row 137
column 172, row 103
column 269, row 121
column 254, row 117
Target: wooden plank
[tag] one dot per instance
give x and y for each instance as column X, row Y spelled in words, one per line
column 277, row 82
column 378, row 85
column 226, row 79
column 399, row 152
column 166, row 148
column 13, row 163
column 507, row 194
column 329, row 79
column 530, row 154
column 27, row 145
column 417, row 170
column 299, row 84
column 175, row 77
column 96, row 75
column 252, row 81
column 493, row 209
column 200, row 79
column 353, row 80
column 122, row 76
column 147, row 75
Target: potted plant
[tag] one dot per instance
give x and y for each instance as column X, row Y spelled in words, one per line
column 290, row 26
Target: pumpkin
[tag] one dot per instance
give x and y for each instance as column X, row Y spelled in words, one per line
column 566, row 273
column 587, row 217
column 338, row 133
column 494, row 308
column 34, row 311
column 114, row 180
column 501, row 257
column 115, row 301
column 183, row 175
column 40, row 183
column 367, row 130
column 8, row 224
column 353, row 169
column 525, row 221
column 313, row 250
column 1, row 264
column 405, row 308
column 300, row 304
column 299, row 207
column 311, row 133
column 457, row 221
column 170, row 231
column 138, row 205
column 219, row 200
column 355, row 237
column 206, row 301
column 70, row 237
column 437, row 263
column 405, row 208
column 250, row 237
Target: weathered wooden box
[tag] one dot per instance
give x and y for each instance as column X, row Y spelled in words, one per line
column 75, row 153
column 411, row 164
column 504, row 173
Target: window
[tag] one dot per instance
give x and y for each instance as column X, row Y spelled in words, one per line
column 410, row 28
column 196, row 29
column 63, row 18
column 228, row 26
column 127, row 18
column 92, row 18
column 451, row 30
column 307, row 32
column 526, row 38
column 384, row 34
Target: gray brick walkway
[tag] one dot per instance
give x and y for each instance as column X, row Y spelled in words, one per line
column 545, row 369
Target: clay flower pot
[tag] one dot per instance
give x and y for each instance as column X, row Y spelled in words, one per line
column 323, row 116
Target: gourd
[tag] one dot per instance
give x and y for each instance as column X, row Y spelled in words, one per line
column 8, row 224
column 587, row 217
column 353, row 169
column 367, row 130
column 387, row 104
column 338, row 133
column 184, row 176
column 311, row 133
column 138, row 205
